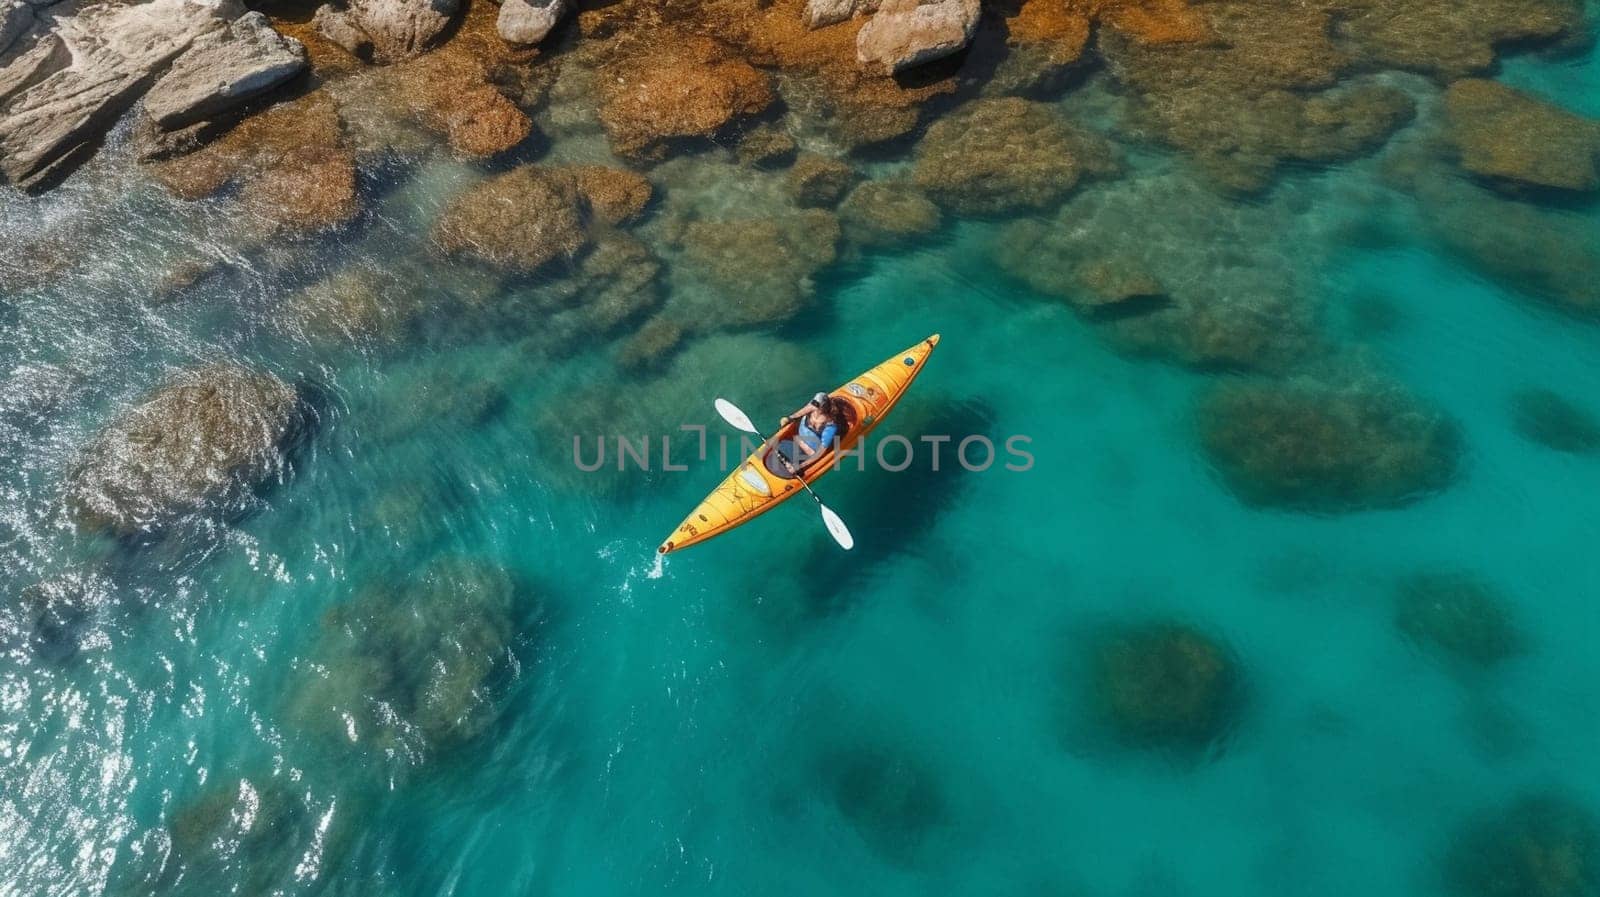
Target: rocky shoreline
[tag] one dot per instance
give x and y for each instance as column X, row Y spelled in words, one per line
column 1237, row 86
column 730, row 153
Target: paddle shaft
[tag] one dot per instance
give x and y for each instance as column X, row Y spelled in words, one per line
column 741, row 421
column 788, row 466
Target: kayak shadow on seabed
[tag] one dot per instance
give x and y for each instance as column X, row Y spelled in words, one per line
column 892, row 513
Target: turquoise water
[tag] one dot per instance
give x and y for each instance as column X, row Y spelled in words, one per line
column 765, row 713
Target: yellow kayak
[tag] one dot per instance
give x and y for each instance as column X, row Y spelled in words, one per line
column 761, row 482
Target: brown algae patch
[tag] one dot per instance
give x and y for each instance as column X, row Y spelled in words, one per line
column 1517, row 143
column 1458, row 616
column 198, row 443
column 1539, row 845
column 1316, row 446
column 1165, row 686
column 1002, row 156
column 291, row 164
column 411, row 666
column 1546, row 417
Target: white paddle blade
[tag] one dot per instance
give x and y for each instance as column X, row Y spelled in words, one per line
column 837, row 529
column 735, row 418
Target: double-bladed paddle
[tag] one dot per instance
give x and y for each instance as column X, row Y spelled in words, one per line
column 739, row 420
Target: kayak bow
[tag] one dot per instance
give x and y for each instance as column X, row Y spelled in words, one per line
column 754, row 488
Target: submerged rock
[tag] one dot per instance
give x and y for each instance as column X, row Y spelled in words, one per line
column 518, row 221
column 996, row 157
column 49, row 618
column 1126, row 256
column 198, row 443
column 1545, row 417
column 1374, row 315
column 448, row 92
column 1246, row 322
column 903, row 34
column 1176, row 23
column 1453, row 38
column 411, row 667
column 1547, row 254
column 887, row 213
column 889, row 798
column 1542, row 845
column 1239, row 139
column 761, row 267
column 184, row 274
column 1043, row 42
column 63, row 95
column 1515, row 142
column 1092, row 278
column 824, row 88
column 1318, row 447
column 1166, row 686
column 529, row 21
column 290, row 162
column 1554, row 257
column 651, row 346
column 769, row 371
column 1458, row 616
column 456, row 99
column 616, row 196
column 1256, row 86
column 767, row 146
column 615, row 284
column 861, row 124
column 426, row 398
column 387, row 30
column 353, row 305
column 682, row 87
column 1119, row 283
column 818, row 182
column 250, row 836
column 1233, row 47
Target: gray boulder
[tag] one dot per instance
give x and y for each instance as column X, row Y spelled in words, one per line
column 46, row 56
column 908, row 33
column 114, row 52
column 198, row 443
column 223, row 68
column 828, row 12
column 65, row 92
column 16, row 17
column 528, row 21
column 387, row 30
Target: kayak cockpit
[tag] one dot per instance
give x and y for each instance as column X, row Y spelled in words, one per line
column 783, row 448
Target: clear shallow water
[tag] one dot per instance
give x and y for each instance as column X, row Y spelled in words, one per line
column 705, row 726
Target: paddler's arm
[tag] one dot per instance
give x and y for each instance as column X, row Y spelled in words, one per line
column 777, row 434
column 803, row 409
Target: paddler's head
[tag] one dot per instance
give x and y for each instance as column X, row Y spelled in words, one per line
column 825, row 409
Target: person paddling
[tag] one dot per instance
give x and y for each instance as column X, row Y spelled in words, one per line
column 821, row 421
